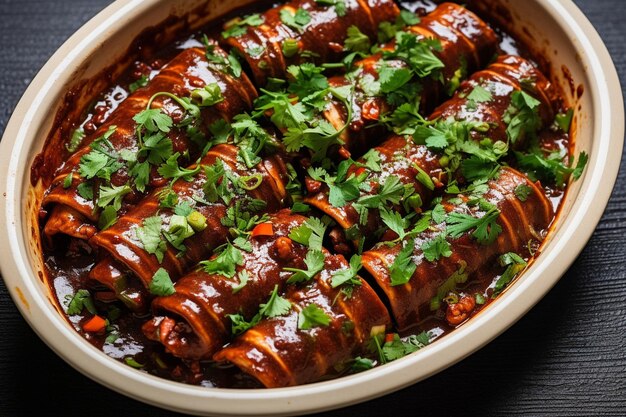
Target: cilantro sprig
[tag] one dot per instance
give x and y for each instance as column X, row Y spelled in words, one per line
column 274, row 307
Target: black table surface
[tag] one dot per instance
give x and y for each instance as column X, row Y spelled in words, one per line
column 567, row 356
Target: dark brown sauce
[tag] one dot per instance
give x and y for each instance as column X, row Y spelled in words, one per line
column 67, row 274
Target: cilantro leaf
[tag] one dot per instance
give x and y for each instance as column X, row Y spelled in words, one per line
column 439, row 214
column 397, row 348
column 515, row 264
column 92, row 163
column 436, row 248
column 225, row 263
column 522, row 192
column 403, row 266
column 522, row 116
column 238, row 26
column 356, row 41
column 154, row 120
column 390, row 193
column 82, row 299
column 393, row 78
column 244, row 277
column 486, row 228
column 564, row 120
column 312, row 316
column 551, row 168
column 107, row 218
column 171, row 170
column 372, row 160
column 113, row 194
column 275, row 306
column 150, row 236
column 394, row 221
column 161, row 284
column 314, row 262
column 348, row 276
column 296, row 20
column 309, row 233
column 480, row 95
column 340, row 5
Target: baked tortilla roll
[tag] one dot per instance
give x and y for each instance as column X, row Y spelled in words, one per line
column 187, row 72
column 193, row 322
column 123, row 244
column 467, row 45
column 318, row 33
column 523, row 222
column 400, row 156
column 283, row 351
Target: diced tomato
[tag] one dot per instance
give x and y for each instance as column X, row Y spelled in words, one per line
column 263, row 229
column 371, row 110
column 95, row 325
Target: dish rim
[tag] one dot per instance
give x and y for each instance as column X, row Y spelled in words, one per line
column 22, row 282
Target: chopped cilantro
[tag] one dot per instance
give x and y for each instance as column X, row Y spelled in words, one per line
column 290, row 47
column 238, row 26
column 82, row 299
column 394, row 221
column 436, row 248
column 297, row 20
column 136, row 85
column 458, row 277
column 225, row 263
column 312, row 316
column 108, row 217
column 275, row 306
column 551, row 168
column 244, row 277
column 398, row 348
column 348, row 276
column 515, row 264
column 161, row 284
column 314, row 262
column 522, row 192
column 522, row 116
column 356, row 41
column 360, row 364
column 486, row 228
column 150, row 236
column 208, row 96
column 480, row 95
column 564, row 120
column 340, row 5
column 112, row 194
column 309, row 233
column 403, row 266
column 390, row 193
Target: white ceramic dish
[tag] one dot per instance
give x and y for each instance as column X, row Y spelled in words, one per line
column 559, row 29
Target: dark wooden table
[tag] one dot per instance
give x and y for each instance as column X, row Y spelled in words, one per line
column 566, row 357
